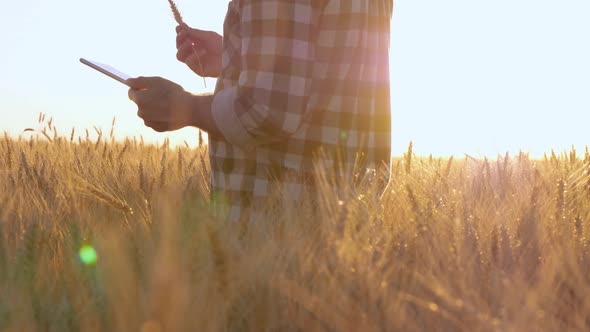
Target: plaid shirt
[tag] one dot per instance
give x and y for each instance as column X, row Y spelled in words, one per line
column 298, row 76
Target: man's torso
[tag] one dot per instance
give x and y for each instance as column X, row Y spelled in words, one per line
column 347, row 118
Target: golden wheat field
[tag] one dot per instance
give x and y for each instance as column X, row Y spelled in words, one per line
column 453, row 245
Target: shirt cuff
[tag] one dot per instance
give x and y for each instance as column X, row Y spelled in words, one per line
column 226, row 119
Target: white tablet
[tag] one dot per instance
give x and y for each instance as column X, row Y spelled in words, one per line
column 107, row 70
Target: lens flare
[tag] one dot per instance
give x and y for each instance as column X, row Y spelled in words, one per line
column 88, row 255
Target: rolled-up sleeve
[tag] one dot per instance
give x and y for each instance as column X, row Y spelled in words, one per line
column 277, row 54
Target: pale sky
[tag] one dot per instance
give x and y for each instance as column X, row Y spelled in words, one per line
column 468, row 76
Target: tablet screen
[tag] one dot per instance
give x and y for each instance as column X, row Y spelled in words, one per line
column 107, row 70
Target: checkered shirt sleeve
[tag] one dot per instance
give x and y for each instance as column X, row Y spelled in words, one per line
column 277, row 54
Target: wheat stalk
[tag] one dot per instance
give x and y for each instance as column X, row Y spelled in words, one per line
column 110, row 200
column 180, row 21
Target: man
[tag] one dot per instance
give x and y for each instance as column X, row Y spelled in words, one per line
column 301, row 83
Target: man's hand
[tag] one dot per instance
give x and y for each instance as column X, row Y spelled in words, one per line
column 200, row 50
column 163, row 105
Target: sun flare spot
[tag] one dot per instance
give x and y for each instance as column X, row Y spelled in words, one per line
column 88, row 255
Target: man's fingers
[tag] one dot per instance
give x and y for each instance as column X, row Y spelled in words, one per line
column 140, row 97
column 140, row 83
column 183, row 34
column 157, row 126
column 132, row 96
column 183, row 39
column 180, row 37
column 188, row 49
column 147, row 114
column 183, row 26
column 199, row 36
column 150, row 117
column 183, row 53
column 193, row 62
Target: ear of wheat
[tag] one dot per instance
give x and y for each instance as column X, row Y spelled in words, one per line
column 180, row 21
column 176, row 12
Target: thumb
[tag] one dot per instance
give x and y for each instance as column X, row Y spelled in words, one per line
column 139, row 83
column 186, row 27
column 183, row 26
